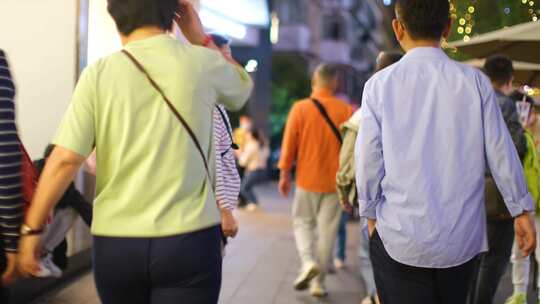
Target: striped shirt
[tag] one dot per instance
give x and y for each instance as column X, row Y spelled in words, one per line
column 227, row 177
column 11, row 204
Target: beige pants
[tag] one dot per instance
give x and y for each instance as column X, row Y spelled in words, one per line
column 316, row 219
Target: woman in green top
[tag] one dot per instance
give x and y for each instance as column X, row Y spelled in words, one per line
column 156, row 222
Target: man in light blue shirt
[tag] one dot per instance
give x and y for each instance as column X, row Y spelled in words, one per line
column 429, row 126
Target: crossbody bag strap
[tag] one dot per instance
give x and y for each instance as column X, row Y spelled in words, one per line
column 326, row 117
column 173, row 109
column 234, row 146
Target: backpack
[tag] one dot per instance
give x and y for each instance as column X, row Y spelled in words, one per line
column 29, row 177
column 531, row 168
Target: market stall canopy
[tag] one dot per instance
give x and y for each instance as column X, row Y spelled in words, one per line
column 525, row 73
column 520, row 42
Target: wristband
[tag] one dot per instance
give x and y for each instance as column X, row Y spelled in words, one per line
column 27, row 230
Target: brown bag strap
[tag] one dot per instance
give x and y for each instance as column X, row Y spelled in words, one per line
column 328, row 120
column 173, row 109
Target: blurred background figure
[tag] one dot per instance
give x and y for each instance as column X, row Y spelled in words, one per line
column 254, row 158
column 521, row 265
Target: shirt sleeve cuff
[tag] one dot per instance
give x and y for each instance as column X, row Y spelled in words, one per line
column 368, row 209
column 525, row 204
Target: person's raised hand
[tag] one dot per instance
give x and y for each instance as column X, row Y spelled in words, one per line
column 189, row 22
column 525, row 233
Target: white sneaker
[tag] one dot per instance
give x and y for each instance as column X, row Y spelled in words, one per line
column 303, row 280
column 339, row 263
column 48, row 268
column 367, row 300
column 317, row 289
column 252, row 207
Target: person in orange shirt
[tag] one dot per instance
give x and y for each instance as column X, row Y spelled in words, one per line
column 312, row 143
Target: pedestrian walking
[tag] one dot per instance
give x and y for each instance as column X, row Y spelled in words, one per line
column 11, row 200
column 147, row 111
column 254, row 158
column 312, row 142
column 500, row 223
column 346, row 184
column 429, row 126
column 521, row 265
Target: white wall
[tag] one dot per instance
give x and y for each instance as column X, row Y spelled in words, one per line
column 39, row 38
column 103, row 38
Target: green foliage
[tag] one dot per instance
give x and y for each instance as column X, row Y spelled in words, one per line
column 290, row 82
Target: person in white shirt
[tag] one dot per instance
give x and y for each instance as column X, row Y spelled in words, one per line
column 429, row 126
column 254, row 158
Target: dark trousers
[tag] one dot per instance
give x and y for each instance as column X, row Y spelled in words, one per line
column 4, row 292
column 402, row 284
column 492, row 264
column 170, row 270
column 252, row 179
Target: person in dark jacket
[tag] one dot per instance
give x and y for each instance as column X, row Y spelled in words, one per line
column 11, row 200
column 71, row 204
column 493, row 264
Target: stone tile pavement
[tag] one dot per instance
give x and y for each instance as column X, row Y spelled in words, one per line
column 262, row 263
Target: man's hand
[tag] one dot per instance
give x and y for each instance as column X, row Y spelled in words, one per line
column 229, row 224
column 284, row 183
column 525, row 233
column 29, row 252
column 11, row 274
column 347, row 207
column 371, row 223
column 189, row 22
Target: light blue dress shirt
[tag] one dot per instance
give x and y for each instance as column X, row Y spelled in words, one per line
column 429, row 126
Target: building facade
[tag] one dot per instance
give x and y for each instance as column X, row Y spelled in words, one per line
column 349, row 33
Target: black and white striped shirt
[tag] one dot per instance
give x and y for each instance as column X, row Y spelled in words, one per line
column 11, row 203
column 227, row 177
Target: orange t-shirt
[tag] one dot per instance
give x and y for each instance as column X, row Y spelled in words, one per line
column 310, row 141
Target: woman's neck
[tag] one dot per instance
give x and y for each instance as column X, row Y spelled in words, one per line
column 142, row 33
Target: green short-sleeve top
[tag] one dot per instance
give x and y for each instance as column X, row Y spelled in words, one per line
column 151, row 180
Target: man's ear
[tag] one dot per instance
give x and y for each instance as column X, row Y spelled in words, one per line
column 399, row 30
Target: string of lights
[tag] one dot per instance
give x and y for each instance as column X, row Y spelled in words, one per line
column 464, row 15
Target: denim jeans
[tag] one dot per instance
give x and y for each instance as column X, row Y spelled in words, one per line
column 341, row 241
column 252, row 179
column 492, row 264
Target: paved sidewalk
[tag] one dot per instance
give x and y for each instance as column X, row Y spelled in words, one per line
column 260, row 265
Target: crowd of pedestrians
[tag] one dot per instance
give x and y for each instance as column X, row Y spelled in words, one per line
column 439, row 163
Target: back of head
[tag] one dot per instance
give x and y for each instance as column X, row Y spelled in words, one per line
column 130, row 15
column 386, row 59
column 424, row 19
column 499, row 69
column 326, row 75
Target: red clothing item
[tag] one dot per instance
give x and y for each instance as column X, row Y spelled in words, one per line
column 310, row 142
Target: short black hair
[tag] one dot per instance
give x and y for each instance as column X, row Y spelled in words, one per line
column 387, row 58
column 424, row 19
column 130, row 15
column 499, row 69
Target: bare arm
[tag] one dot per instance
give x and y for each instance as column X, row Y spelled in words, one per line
column 59, row 172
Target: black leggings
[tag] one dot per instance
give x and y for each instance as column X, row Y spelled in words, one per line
column 179, row 269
